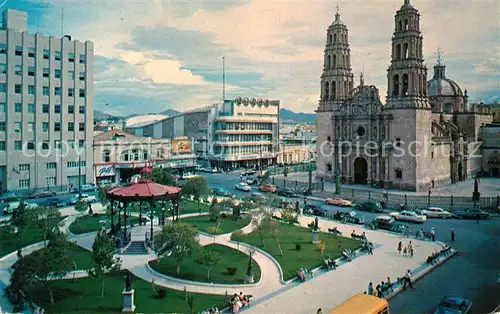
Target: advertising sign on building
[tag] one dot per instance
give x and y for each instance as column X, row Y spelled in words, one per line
column 181, row 146
column 105, row 171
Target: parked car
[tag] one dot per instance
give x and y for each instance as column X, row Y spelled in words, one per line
column 386, row 222
column 222, row 192
column 353, row 217
column 242, row 186
column 435, row 212
column 338, row 201
column 248, row 172
column 453, row 305
column 286, row 192
column 89, row 188
column 471, row 214
column 9, row 208
column 316, row 210
column 370, row 206
column 57, row 202
column 409, row 216
column 251, row 180
column 42, row 193
column 258, row 195
column 281, row 202
column 10, row 197
column 268, row 188
column 82, row 198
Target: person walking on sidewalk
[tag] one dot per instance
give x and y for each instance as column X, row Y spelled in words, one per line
column 433, row 234
column 400, row 246
column 453, row 235
column 407, row 279
column 410, row 249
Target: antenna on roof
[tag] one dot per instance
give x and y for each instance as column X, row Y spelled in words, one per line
column 223, row 79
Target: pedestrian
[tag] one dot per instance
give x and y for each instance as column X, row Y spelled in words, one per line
column 433, row 234
column 477, row 218
column 405, row 251
column 453, row 235
column 407, row 279
column 91, row 212
column 305, row 202
column 370, row 288
column 400, row 245
column 410, row 249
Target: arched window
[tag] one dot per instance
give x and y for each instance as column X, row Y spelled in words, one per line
column 406, row 25
column 334, row 38
column 400, row 26
column 106, row 155
column 160, row 153
column 448, row 108
column 398, row 51
column 45, row 146
column 145, row 155
column 383, row 133
column 334, row 90
column 395, row 85
column 405, row 85
column 30, row 146
column 327, row 90
column 328, row 62
column 405, row 51
column 330, row 38
column 334, row 61
column 126, row 156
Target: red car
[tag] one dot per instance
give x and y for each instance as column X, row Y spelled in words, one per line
column 268, row 188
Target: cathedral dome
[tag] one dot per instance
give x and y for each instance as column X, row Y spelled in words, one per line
column 440, row 85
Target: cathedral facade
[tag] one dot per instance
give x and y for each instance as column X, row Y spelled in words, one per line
column 424, row 135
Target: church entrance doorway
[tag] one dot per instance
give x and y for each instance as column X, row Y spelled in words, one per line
column 460, row 171
column 495, row 173
column 360, row 171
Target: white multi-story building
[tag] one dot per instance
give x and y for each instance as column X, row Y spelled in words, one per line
column 46, row 108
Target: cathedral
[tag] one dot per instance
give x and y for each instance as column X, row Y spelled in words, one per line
column 424, row 135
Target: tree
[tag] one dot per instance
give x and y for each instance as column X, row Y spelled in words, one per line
column 42, row 266
column 48, row 218
column 196, row 187
column 209, row 259
column 214, row 210
column 261, row 225
column 81, row 206
column 276, row 233
column 265, row 178
column 103, row 259
column 22, row 215
column 162, row 176
column 177, row 240
column 289, row 216
column 102, row 196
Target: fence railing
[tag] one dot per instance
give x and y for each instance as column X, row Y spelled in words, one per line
column 297, row 185
column 293, row 168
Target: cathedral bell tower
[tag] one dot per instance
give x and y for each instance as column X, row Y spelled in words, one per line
column 407, row 74
column 337, row 78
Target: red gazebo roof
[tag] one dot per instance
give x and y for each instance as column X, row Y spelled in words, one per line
column 143, row 191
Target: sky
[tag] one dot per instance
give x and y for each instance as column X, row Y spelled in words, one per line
column 153, row 55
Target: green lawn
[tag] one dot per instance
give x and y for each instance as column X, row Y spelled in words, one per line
column 86, row 224
column 228, row 224
column 192, row 271
column 308, row 256
column 79, row 257
column 9, row 242
column 186, row 207
column 83, row 296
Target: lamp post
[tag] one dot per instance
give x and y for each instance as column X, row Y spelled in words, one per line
column 338, row 184
column 79, row 175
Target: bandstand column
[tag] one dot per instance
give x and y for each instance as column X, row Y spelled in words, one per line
column 125, row 219
column 111, row 203
column 151, row 217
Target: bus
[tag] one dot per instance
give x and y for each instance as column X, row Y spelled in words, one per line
column 362, row 304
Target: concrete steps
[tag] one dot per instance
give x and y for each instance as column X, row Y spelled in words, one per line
column 136, row 248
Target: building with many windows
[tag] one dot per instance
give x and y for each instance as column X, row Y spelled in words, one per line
column 46, row 108
column 238, row 133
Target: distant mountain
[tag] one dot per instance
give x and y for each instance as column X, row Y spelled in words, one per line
column 99, row 115
column 170, row 112
column 289, row 116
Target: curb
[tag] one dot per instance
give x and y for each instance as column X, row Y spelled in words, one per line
column 199, row 283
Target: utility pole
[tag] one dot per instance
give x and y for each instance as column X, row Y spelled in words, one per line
column 79, row 175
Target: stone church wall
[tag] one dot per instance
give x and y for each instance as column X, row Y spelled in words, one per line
column 324, row 129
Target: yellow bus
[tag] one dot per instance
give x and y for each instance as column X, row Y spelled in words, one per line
column 362, row 304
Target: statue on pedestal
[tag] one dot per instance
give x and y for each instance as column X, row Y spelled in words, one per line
column 128, row 282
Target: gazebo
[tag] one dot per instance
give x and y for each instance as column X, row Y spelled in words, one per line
column 144, row 192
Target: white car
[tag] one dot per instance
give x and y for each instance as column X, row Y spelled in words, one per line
column 242, row 186
column 88, row 199
column 406, row 215
column 435, row 212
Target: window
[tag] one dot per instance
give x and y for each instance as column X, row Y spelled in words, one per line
column 31, row 108
column 45, row 108
column 57, row 73
column 2, row 146
column 45, row 145
column 46, row 54
column 3, row 88
column 83, row 58
column 71, row 92
column 46, row 72
column 57, row 126
column 160, row 153
column 81, row 109
column 106, row 156
column 30, row 146
column 24, row 167
column 18, row 70
column 81, row 126
column 81, row 143
column 57, row 55
column 328, row 167
column 57, row 109
column 3, row 106
column 51, row 165
column 2, row 126
column 18, row 127
column 432, row 154
column 399, row 173
column 360, row 131
column 71, row 57
column 45, row 126
column 31, row 52
column 51, row 181
column 328, row 138
column 71, row 75
column 19, row 51
column 71, row 126
column 24, row 183
column 71, row 109
column 31, row 127
column 3, row 48
column 57, row 91
column 31, row 89
column 81, row 93
column 126, row 156
column 18, row 145
column 57, row 144
column 45, row 91
column 31, row 71
column 3, row 68
column 82, row 76
column 18, row 107
column 398, row 142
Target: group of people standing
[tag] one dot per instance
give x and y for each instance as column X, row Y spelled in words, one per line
column 380, row 290
column 406, row 250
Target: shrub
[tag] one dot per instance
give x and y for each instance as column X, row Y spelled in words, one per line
column 161, row 293
column 231, row 271
column 237, row 235
column 214, row 230
column 297, row 247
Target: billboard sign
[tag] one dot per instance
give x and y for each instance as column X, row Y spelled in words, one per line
column 181, row 146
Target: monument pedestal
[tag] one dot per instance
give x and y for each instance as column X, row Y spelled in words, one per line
column 315, row 236
column 128, row 301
